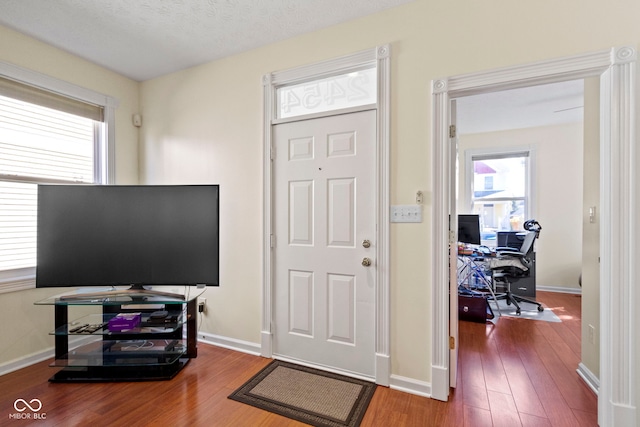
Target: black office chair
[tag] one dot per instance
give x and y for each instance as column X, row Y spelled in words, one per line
column 512, row 263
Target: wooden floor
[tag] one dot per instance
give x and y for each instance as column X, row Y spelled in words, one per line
column 519, row 372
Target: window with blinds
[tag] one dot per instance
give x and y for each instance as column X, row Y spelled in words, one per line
column 44, row 138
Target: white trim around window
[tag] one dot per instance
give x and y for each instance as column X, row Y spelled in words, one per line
column 24, row 278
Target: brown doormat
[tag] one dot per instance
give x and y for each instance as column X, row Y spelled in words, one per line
column 307, row 395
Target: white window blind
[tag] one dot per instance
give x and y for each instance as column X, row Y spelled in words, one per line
column 44, row 138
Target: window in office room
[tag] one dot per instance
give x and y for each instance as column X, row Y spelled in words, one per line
column 44, row 138
column 500, row 191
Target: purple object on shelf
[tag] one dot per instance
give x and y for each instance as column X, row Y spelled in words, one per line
column 124, row 321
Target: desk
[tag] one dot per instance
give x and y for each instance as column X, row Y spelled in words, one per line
column 473, row 263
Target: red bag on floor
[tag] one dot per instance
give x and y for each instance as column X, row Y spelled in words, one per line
column 474, row 308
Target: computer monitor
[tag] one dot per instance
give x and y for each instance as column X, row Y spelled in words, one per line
column 469, row 229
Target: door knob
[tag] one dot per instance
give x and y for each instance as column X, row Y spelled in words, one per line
column 366, row 244
column 366, row 262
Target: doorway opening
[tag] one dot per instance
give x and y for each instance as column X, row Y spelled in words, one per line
column 616, row 70
column 308, row 93
column 528, row 154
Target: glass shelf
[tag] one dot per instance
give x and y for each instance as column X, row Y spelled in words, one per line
column 125, row 296
column 154, row 350
column 113, row 353
column 100, row 321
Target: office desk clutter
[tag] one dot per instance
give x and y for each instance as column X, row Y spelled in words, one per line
column 475, row 288
column 486, row 274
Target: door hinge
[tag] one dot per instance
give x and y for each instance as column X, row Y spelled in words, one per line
column 452, row 131
column 272, row 154
column 452, row 237
column 272, row 242
column 452, row 343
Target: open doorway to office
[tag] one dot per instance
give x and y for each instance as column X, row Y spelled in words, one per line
column 619, row 235
column 524, row 154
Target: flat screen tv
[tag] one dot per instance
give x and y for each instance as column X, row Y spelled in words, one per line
column 140, row 235
column 469, row 229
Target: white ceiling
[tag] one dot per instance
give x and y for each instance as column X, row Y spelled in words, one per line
column 534, row 106
column 143, row 39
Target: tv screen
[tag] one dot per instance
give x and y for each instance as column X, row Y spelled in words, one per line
column 469, row 229
column 127, row 235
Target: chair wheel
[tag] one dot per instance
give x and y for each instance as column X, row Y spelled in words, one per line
column 518, row 312
column 508, row 302
column 540, row 308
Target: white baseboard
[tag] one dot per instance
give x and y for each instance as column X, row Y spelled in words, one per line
column 230, row 343
column 589, row 378
column 38, row 357
column 410, row 385
column 564, row 290
column 26, row 361
column 383, row 369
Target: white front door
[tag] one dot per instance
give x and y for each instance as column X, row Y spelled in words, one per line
column 324, row 215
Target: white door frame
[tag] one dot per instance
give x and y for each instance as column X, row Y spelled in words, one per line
column 619, row 233
column 380, row 58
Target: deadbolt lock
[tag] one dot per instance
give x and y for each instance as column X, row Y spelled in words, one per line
column 366, row 262
column 366, row 244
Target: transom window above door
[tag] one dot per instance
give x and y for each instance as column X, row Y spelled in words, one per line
column 353, row 89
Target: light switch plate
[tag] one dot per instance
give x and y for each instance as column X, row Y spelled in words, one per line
column 406, row 213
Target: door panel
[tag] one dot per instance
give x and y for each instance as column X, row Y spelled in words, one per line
column 324, row 208
column 453, row 253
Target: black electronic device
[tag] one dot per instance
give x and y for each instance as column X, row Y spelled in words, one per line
column 139, row 235
column 469, row 229
column 510, row 239
column 160, row 314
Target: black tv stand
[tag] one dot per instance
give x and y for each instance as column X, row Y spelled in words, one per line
column 151, row 351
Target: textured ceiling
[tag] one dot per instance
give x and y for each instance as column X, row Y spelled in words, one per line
column 143, row 39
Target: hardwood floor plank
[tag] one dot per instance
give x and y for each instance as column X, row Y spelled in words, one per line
column 503, row 410
column 567, row 380
column 586, row 419
column 477, row 417
column 475, row 396
column 522, row 389
column 386, row 408
column 533, row 421
column 557, row 410
column 495, row 376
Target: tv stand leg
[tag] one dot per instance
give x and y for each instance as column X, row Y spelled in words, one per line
column 192, row 339
column 61, row 318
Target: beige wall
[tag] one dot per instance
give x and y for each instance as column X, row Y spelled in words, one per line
column 556, row 194
column 204, row 125
column 25, row 327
